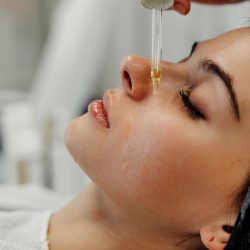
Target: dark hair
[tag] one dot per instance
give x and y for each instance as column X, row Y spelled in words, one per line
column 240, row 237
column 239, row 195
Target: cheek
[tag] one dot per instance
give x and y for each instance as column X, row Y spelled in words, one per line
column 148, row 158
column 163, row 161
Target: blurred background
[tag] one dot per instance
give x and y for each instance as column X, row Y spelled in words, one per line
column 57, row 55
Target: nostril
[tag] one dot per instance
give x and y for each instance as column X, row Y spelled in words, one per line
column 128, row 79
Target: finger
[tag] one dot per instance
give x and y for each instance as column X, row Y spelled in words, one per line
column 182, row 6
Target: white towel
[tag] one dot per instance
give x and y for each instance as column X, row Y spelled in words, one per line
column 24, row 230
column 24, row 216
column 30, row 197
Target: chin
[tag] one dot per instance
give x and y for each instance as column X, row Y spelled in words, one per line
column 69, row 135
column 82, row 141
column 74, row 136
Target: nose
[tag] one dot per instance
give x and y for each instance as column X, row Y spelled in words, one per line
column 135, row 75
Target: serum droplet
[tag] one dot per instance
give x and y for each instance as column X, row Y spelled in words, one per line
column 156, row 74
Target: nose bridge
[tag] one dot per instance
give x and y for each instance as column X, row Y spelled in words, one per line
column 174, row 75
column 171, row 71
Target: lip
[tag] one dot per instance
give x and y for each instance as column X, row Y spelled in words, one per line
column 99, row 111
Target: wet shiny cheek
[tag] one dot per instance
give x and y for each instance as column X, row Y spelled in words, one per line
column 158, row 154
column 149, row 152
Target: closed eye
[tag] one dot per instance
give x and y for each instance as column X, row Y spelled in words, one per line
column 191, row 109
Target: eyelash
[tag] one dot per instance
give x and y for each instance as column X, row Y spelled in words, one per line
column 193, row 111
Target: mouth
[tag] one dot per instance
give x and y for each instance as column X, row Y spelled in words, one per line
column 99, row 113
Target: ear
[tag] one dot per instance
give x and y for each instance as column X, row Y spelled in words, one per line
column 215, row 237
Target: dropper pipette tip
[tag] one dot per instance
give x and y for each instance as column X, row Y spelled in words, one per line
column 156, row 74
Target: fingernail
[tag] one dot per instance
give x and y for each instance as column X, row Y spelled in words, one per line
column 180, row 8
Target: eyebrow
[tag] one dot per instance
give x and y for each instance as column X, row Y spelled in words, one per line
column 207, row 65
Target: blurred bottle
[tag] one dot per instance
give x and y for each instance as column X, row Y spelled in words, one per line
column 22, row 146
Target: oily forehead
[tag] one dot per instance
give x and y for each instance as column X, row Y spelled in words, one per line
column 232, row 52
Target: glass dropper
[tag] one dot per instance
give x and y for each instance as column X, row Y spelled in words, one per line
column 156, row 71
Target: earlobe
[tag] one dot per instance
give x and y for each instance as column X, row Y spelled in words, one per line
column 214, row 237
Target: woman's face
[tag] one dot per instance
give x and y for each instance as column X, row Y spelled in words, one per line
column 167, row 157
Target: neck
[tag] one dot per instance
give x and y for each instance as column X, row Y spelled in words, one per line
column 91, row 221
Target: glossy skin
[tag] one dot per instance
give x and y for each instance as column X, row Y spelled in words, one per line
column 163, row 169
column 183, row 6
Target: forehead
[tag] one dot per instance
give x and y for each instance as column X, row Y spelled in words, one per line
column 233, row 45
column 232, row 52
